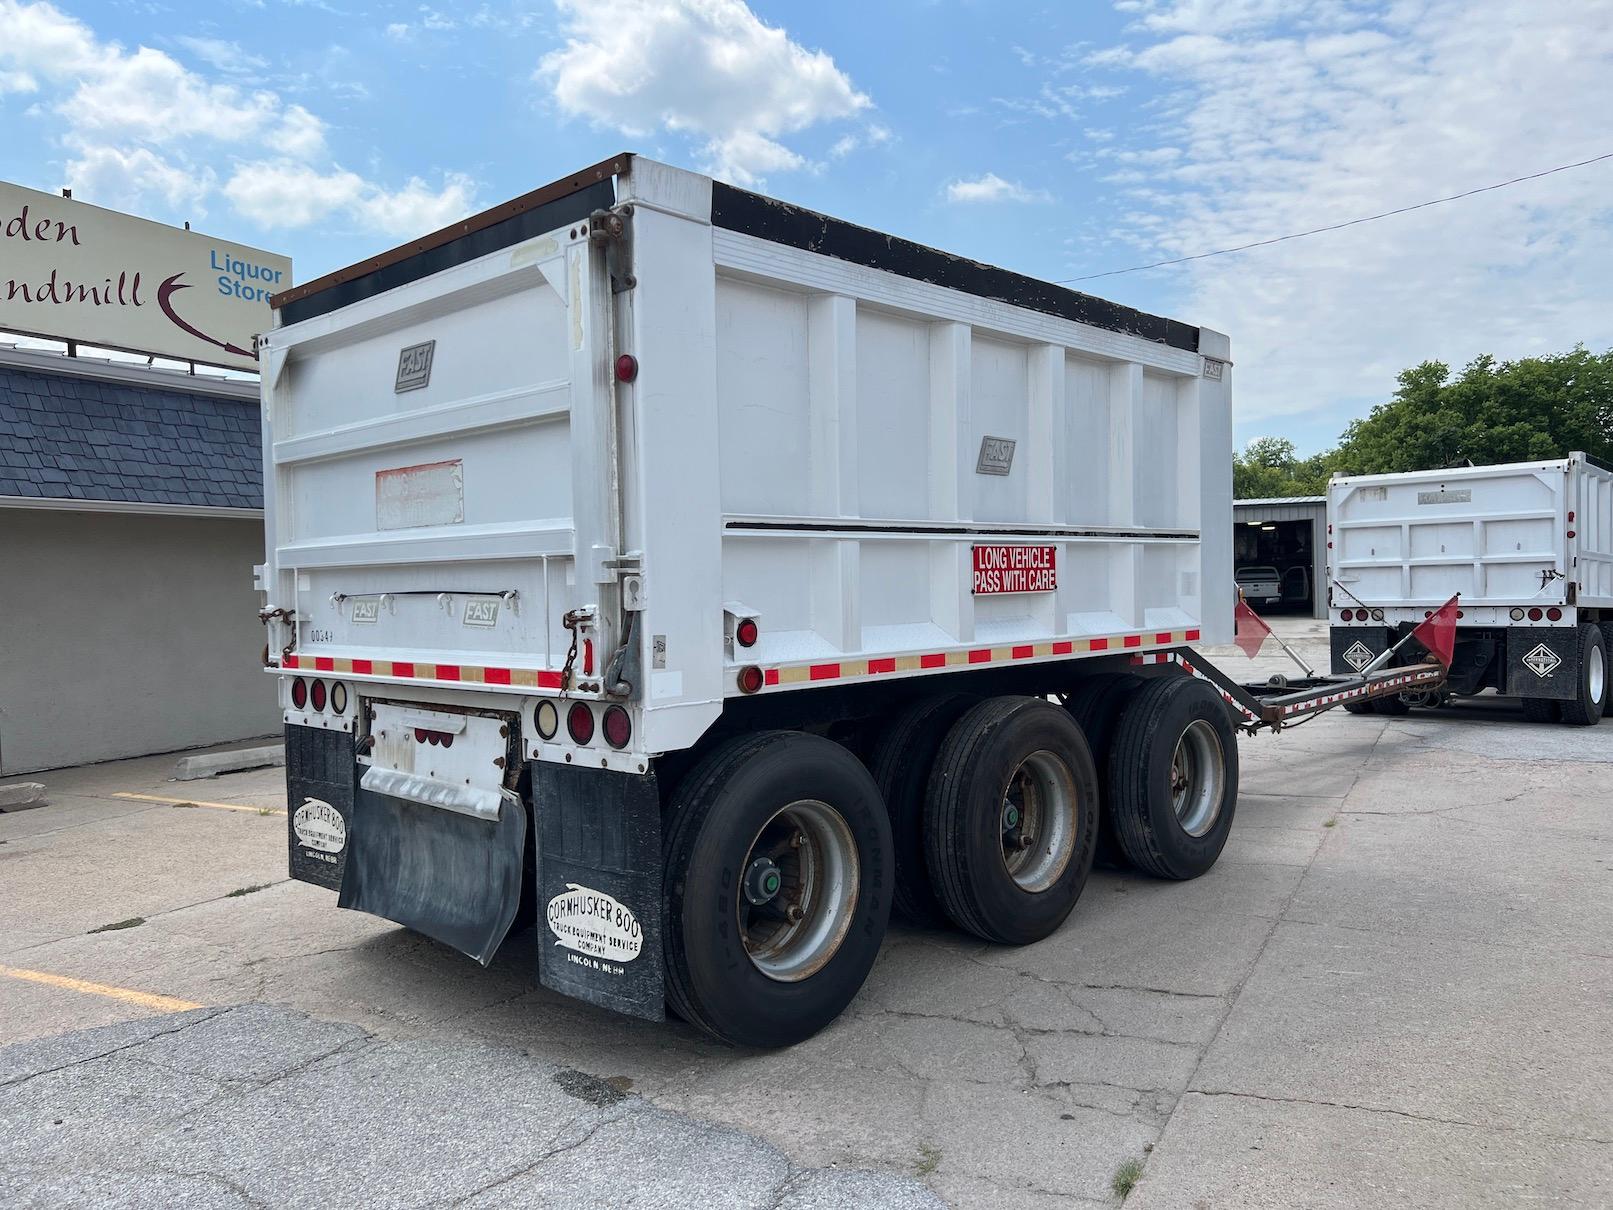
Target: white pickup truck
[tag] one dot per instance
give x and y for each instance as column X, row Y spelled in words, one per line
column 689, row 574
column 1527, row 548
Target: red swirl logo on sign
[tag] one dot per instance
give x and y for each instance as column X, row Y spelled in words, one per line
column 1001, row 569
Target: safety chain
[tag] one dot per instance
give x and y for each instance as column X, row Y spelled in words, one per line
column 289, row 616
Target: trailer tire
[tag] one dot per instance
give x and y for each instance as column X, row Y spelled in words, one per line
column 1096, row 704
column 901, row 761
column 1585, row 708
column 1359, row 707
column 1010, row 869
column 1176, row 737
column 1391, row 704
column 1541, row 709
column 768, row 981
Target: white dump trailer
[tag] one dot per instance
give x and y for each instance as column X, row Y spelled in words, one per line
column 1527, row 548
column 695, row 576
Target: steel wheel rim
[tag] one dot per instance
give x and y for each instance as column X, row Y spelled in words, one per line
column 809, row 847
column 1198, row 778
column 1040, row 810
column 1598, row 674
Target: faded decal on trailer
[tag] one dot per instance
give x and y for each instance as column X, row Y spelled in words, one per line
column 1447, row 495
column 319, row 826
column 1002, row 569
column 482, row 611
column 432, row 493
column 594, row 924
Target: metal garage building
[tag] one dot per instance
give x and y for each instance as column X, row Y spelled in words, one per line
column 130, row 521
column 1289, row 534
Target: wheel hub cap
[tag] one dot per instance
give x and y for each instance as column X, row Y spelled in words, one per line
column 762, row 881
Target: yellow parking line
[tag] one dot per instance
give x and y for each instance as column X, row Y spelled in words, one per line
column 193, row 802
column 165, row 1004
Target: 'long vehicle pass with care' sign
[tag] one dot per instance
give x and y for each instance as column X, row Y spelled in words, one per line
column 1001, row 569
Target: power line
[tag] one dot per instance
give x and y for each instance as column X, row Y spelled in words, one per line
column 1354, row 222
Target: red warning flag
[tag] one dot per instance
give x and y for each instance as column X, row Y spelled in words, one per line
column 1438, row 632
column 1250, row 629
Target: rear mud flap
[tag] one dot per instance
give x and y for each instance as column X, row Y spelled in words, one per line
column 599, row 887
column 453, row 877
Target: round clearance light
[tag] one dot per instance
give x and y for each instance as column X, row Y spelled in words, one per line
column 746, row 633
column 580, row 723
column 338, row 698
column 1517, row 613
column 626, row 368
column 1535, row 615
column 750, row 679
column 1347, row 614
column 1377, row 615
column 618, row 727
column 316, row 695
column 546, row 719
column 299, row 693
column 1554, row 614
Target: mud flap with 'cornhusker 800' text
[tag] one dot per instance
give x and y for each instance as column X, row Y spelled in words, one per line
column 599, row 886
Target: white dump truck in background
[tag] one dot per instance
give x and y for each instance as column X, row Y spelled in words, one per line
column 689, row 575
column 1527, row 548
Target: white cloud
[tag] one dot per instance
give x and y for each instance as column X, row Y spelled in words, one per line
column 224, row 55
column 1278, row 119
column 284, row 193
column 705, row 68
column 138, row 175
column 139, row 126
column 992, row 188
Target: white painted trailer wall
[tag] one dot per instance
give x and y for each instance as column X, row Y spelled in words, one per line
column 801, row 442
column 1500, row 536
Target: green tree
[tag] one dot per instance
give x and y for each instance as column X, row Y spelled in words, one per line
column 1269, row 466
column 1512, row 411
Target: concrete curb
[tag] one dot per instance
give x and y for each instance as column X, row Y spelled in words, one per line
column 211, row 764
column 21, row 796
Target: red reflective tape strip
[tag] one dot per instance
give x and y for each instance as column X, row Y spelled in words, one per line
column 823, row 672
column 878, row 666
column 289, row 661
column 1024, row 653
column 447, row 672
column 323, row 663
column 1099, row 644
column 404, row 670
column 1133, row 640
column 496, row 676
column 932, row 661
column 1064, row 648
column 548, row 680
column 770, row 677
column 1162, row 638
column 363, row 668
column 1192, row 636
column 980, row 655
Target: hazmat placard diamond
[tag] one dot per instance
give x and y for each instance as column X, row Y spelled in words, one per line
column 1358, row 656
column 1542, row 661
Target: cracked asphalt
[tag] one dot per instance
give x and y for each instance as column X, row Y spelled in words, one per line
column 1395, row 989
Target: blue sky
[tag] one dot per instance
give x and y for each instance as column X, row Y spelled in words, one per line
column 1060, row 141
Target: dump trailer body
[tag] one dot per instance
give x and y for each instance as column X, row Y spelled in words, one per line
column 637, row 548
column 1527, row 548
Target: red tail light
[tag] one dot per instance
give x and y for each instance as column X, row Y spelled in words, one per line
column 580, row 723
column 746, row 633
column 1534, row 615
column 316, row 694
column 1554, row 614
column 588, row 657
column 626, row 368
column 299, row 693
column 750, row 679
column 618, row 727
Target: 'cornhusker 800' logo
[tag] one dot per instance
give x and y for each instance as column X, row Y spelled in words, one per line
column 593, row 923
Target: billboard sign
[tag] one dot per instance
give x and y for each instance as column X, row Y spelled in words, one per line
column 72, row 271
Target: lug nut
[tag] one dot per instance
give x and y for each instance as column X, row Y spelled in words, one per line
column 793, row 913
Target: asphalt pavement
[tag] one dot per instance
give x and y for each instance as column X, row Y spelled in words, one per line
column 1396, row 988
